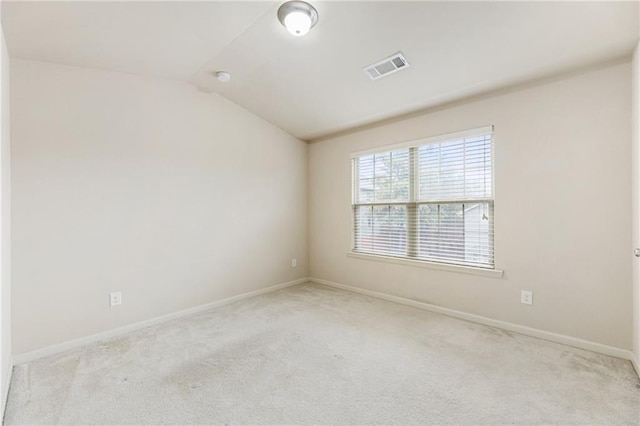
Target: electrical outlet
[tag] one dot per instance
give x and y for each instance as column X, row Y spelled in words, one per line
column 294, row 262
column 526, row 297
column 115, row 299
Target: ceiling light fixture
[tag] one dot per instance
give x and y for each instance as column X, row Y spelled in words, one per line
column 223, row 77
column 298, row 17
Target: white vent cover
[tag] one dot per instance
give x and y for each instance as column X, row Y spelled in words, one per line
column 386, row 66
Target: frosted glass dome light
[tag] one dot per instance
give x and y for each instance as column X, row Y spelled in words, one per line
column 298, row 17
column 297, row 23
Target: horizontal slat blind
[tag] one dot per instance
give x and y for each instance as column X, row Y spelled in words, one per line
column 432, row 201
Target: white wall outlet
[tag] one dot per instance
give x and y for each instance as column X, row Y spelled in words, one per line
column 526, row 297
column 294, row 262
column 115, row 299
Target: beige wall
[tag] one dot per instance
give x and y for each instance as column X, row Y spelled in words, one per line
column 5, row 224
column 635, row 158
column 562, row 217
column 172, row 196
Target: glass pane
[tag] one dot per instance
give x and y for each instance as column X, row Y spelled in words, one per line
column 452, row 170
column 478, row 167
column 452, row 231
column 455, row 232
column 458, row 169
column 429, row 171
column 384, row 177
column 399, row 176
column 441, row 232
column 364, row 228
column 477, row 247
column 381, row 229
column 398, row 230
column 366, row 191
column 382, row 188
column 365, row 167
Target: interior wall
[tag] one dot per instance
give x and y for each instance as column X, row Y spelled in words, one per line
column 562, row 217
column 5, row 222
column 635, row 158
column 173, row 196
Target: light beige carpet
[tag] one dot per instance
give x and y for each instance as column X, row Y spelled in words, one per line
column 311, row 354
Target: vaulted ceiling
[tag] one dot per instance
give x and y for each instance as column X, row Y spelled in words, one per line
column 314, row 85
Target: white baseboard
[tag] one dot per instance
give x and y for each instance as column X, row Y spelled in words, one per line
column 83, row 341
column 533, row 332
column 636, row 365
column 5, row 390
column 540, row 334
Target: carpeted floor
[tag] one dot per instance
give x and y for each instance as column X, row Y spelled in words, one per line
column 312, row 354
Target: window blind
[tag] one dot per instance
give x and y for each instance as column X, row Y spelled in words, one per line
column 428, row 200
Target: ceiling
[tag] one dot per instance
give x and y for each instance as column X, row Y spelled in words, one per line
column 313, row 86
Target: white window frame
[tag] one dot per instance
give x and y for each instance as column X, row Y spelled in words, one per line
column 413, row 203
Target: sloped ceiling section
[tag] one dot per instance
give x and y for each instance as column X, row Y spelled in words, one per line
column 162, row 39
column 314, row 85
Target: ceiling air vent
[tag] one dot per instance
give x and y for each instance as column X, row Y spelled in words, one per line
column 386, row 66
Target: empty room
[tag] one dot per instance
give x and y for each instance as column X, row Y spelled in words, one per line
column 321, row 213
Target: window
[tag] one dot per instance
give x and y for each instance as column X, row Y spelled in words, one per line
column 429, row 200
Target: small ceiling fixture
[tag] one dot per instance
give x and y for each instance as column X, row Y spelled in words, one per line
column 298, row 17
column 223, row 77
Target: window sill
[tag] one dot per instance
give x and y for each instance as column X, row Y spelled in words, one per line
column 493, row 273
